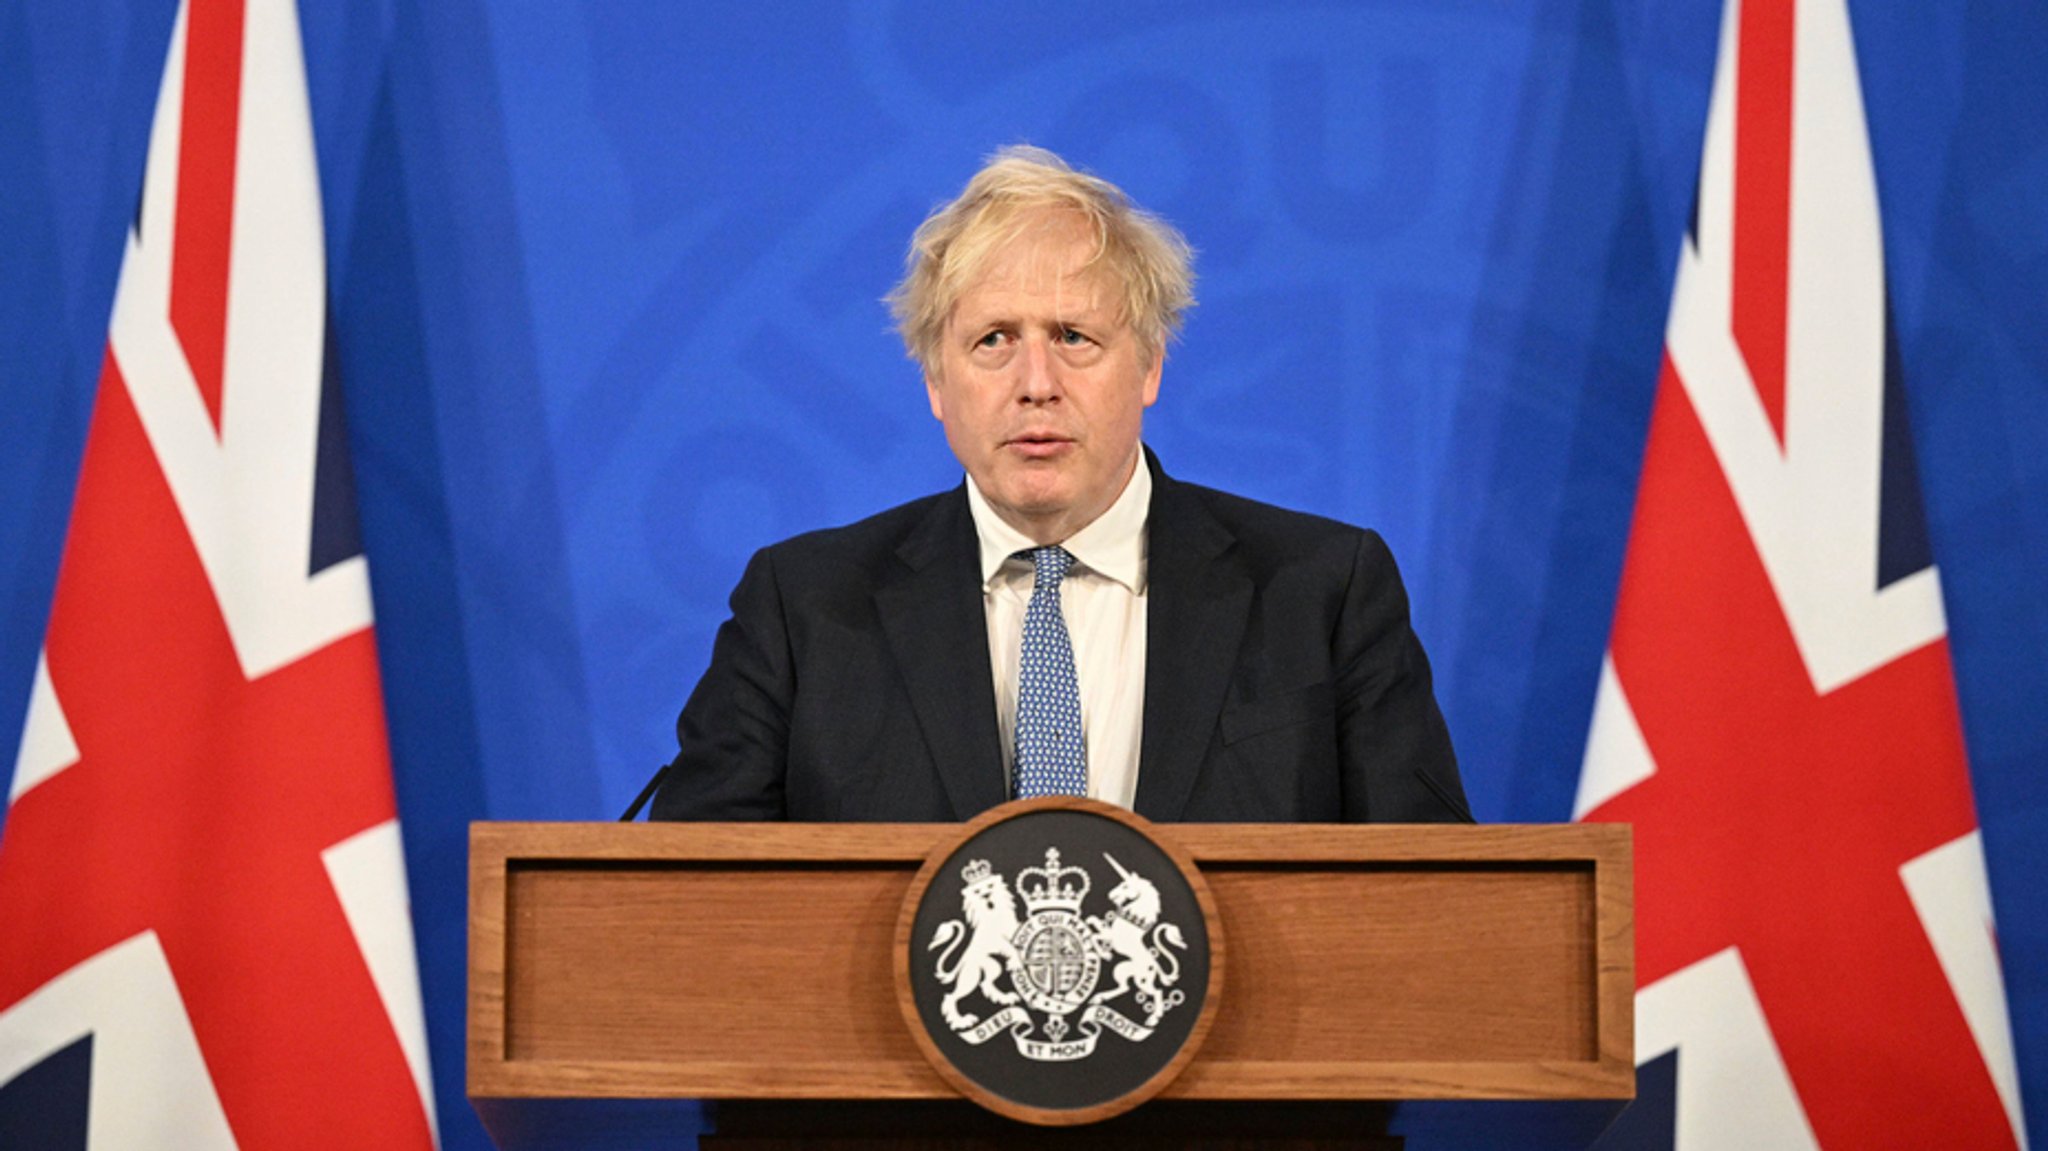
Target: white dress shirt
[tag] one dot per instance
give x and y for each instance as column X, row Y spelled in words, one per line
column 1103, row 602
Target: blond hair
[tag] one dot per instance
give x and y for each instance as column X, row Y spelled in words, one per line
column 1016, row 188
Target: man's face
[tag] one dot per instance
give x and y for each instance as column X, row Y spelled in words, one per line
column 1041, row 383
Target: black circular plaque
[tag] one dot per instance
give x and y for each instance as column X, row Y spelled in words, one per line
column 1059, row 961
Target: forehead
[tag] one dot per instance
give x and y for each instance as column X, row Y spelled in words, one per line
column 1052, row 264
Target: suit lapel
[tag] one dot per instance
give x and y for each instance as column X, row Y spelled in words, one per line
column 933, row 617
column 1195, row 619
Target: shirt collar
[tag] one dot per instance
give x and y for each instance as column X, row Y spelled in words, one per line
column 1113, row 546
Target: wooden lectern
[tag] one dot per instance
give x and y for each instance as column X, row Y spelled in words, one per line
column 751, row 964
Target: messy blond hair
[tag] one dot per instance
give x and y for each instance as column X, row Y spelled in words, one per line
column 1014, row 190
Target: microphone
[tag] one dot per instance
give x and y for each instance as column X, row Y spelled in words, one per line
column 646, row 793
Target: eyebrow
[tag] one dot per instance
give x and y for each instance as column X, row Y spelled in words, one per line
column 1090, row 316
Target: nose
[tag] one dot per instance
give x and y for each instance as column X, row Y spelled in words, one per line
column 1040, row 382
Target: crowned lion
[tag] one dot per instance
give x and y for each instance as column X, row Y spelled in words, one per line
column 991, row 914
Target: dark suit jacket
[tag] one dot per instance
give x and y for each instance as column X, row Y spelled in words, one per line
column 1282, row 680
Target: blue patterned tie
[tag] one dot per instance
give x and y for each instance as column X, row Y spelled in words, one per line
column 1051, row 759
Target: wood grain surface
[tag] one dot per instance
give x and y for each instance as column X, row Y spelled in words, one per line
column 753, row 961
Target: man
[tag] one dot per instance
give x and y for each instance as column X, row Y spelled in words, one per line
column 1070, row 619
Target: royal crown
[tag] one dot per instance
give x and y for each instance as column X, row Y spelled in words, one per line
column 975, row 871
column 1052, row 886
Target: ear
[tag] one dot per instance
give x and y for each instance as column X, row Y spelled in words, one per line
column 1152, row 375
column 934, row 393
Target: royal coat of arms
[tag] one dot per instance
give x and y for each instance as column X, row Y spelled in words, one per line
column 1036, row 971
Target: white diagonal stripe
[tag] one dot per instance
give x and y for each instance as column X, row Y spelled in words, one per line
column 1617, row 755
column 368, row 874
column 1812, row 504
column 1733, row 1088
column 150, row 1086
column 1952, row 897
column 47, row 746
column 246, row 492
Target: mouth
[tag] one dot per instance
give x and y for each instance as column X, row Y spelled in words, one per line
column 1038, row 445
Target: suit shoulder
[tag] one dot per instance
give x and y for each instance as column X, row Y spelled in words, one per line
column 1265, row 527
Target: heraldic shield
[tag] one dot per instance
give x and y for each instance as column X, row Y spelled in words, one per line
column 1058, row 961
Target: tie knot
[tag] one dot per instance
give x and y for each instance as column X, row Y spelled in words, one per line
column 1049, row 566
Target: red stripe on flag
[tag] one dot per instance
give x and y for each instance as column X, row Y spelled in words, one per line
column 199, row 807
column 1778, row 818
column 1763, row 196
column 206, row 191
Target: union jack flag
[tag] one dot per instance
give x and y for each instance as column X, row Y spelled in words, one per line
column 1777, row 715
column 204, row 934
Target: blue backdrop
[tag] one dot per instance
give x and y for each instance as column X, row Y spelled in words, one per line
column 605, row 278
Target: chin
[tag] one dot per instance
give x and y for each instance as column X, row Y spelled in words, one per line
column 1041, row 508
column 1038, row 502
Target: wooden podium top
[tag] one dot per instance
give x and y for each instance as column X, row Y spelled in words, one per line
column 753, row 961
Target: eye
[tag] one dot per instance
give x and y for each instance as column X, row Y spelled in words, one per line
column 991, row 339
column 1072, row 337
